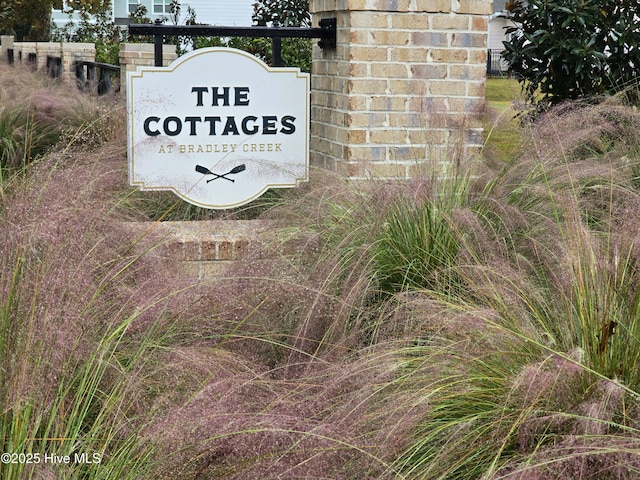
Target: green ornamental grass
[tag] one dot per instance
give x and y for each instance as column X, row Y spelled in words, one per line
column 478, row 326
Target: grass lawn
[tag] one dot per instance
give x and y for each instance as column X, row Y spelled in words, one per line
column 502, row 130
column 501, row 92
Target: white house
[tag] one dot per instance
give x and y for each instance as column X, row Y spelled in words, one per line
column 498, row 23
column 214, row 12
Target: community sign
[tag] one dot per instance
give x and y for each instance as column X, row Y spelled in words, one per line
column 218, row 127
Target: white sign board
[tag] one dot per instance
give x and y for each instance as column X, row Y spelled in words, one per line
column 218, row 127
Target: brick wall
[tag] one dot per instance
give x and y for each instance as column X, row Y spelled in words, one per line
column 207, row 249
column 72, row 52
column 67, row 52
column 134, row 55
column 403, row 89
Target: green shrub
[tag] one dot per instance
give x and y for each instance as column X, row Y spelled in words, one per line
column 573, row 49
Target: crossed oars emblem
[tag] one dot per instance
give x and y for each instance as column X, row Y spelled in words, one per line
column 234, row 170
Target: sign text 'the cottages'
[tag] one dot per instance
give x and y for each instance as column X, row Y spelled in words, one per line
column 218, row 127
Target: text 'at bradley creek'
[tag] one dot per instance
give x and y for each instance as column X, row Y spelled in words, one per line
column 213, row 125
column 220, row 148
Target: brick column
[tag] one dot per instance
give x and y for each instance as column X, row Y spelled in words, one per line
column 22, row 50
column 403, row 89
column 133, row 55
column 6, row 43
column 70, row 52
column 44, row 50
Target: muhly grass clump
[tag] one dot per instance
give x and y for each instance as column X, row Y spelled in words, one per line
column 63, row 386
column 36, row 113
column 482, row 326
column 278, row 381
column 529, row 361
column 107, row 350
column 69, row 299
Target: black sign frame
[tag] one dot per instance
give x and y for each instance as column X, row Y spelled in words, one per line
column 327, row 33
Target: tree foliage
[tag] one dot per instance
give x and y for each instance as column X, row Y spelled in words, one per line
column 296, row 52
column 31, row 19
column 566, row 49
column 91, row 7
column 96, row 26
column 289, row 13
column 26, row 19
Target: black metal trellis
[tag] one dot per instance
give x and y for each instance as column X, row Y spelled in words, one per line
column 326, row 32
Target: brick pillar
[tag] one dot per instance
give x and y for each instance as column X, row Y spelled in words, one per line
column 133, row 55
column 403, row 89
column 44, row 50
column 70, row 52
column 6, row 43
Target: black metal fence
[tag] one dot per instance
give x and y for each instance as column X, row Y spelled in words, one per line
column 96, row 77
column 30, row 60
column 101, row 78
column 496, row 65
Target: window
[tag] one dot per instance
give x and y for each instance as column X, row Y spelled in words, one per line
column 161, row 6
column 133, row 5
